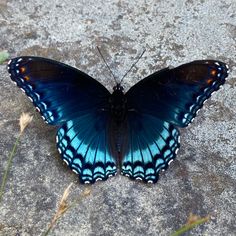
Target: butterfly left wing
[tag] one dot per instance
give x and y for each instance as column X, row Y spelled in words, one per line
column 58, row 91
column 83, row 143
column 160, row 103
column 72, row 99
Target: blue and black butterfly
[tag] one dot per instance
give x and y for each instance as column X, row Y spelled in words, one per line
column 100, row 131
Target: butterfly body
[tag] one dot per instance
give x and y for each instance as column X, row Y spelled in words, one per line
column 98, row 130
column 118, row 104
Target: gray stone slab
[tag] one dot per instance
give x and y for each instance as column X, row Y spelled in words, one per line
column 202, row 178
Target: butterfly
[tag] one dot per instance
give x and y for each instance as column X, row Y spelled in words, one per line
column 100, row 132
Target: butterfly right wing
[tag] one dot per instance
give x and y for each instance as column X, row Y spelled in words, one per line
column 159, row 103
column 152, row 145
column 175, row 95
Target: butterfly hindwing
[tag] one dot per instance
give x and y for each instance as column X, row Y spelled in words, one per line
column 175, row 95
column 152, row 144
column 84, row 145
column 73, row 100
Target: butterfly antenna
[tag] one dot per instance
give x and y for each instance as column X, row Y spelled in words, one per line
column 132, row 66
column 106, row 64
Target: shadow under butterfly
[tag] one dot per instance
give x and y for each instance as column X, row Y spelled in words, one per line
column 98, row 130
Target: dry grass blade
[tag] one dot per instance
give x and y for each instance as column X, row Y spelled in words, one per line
column 64, row 206
column 25, row 119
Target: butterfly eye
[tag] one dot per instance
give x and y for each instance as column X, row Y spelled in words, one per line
column 118, row 87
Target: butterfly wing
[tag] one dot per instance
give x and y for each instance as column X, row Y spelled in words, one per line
column 159, row 103
column 175, row 95
column 152, row 144
column 70, row 98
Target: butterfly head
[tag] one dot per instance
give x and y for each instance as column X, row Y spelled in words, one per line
column 118, row 87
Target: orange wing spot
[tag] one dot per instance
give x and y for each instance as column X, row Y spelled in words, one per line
column 22, row 69
column 213, row 72
column 27, row 78
column 209, row 81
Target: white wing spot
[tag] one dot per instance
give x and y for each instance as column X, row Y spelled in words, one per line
column 9, row 62
column 176, row 151
column 59, row 150
column 75, row 171
column 150, row 182
column 139, row 178
column 20, row 59
column 178, row 139
column 22, row 90
column 30, row 99
column 64, row 159
column 170, row 162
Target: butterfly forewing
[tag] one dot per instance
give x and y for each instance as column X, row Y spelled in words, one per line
column 175, row 95
column 59, row 92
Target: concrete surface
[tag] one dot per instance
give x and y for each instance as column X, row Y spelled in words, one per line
column 201, row 180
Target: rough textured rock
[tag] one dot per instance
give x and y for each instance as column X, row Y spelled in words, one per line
column 201, row 180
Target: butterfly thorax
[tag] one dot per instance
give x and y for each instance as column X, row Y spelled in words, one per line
column 118, row 104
